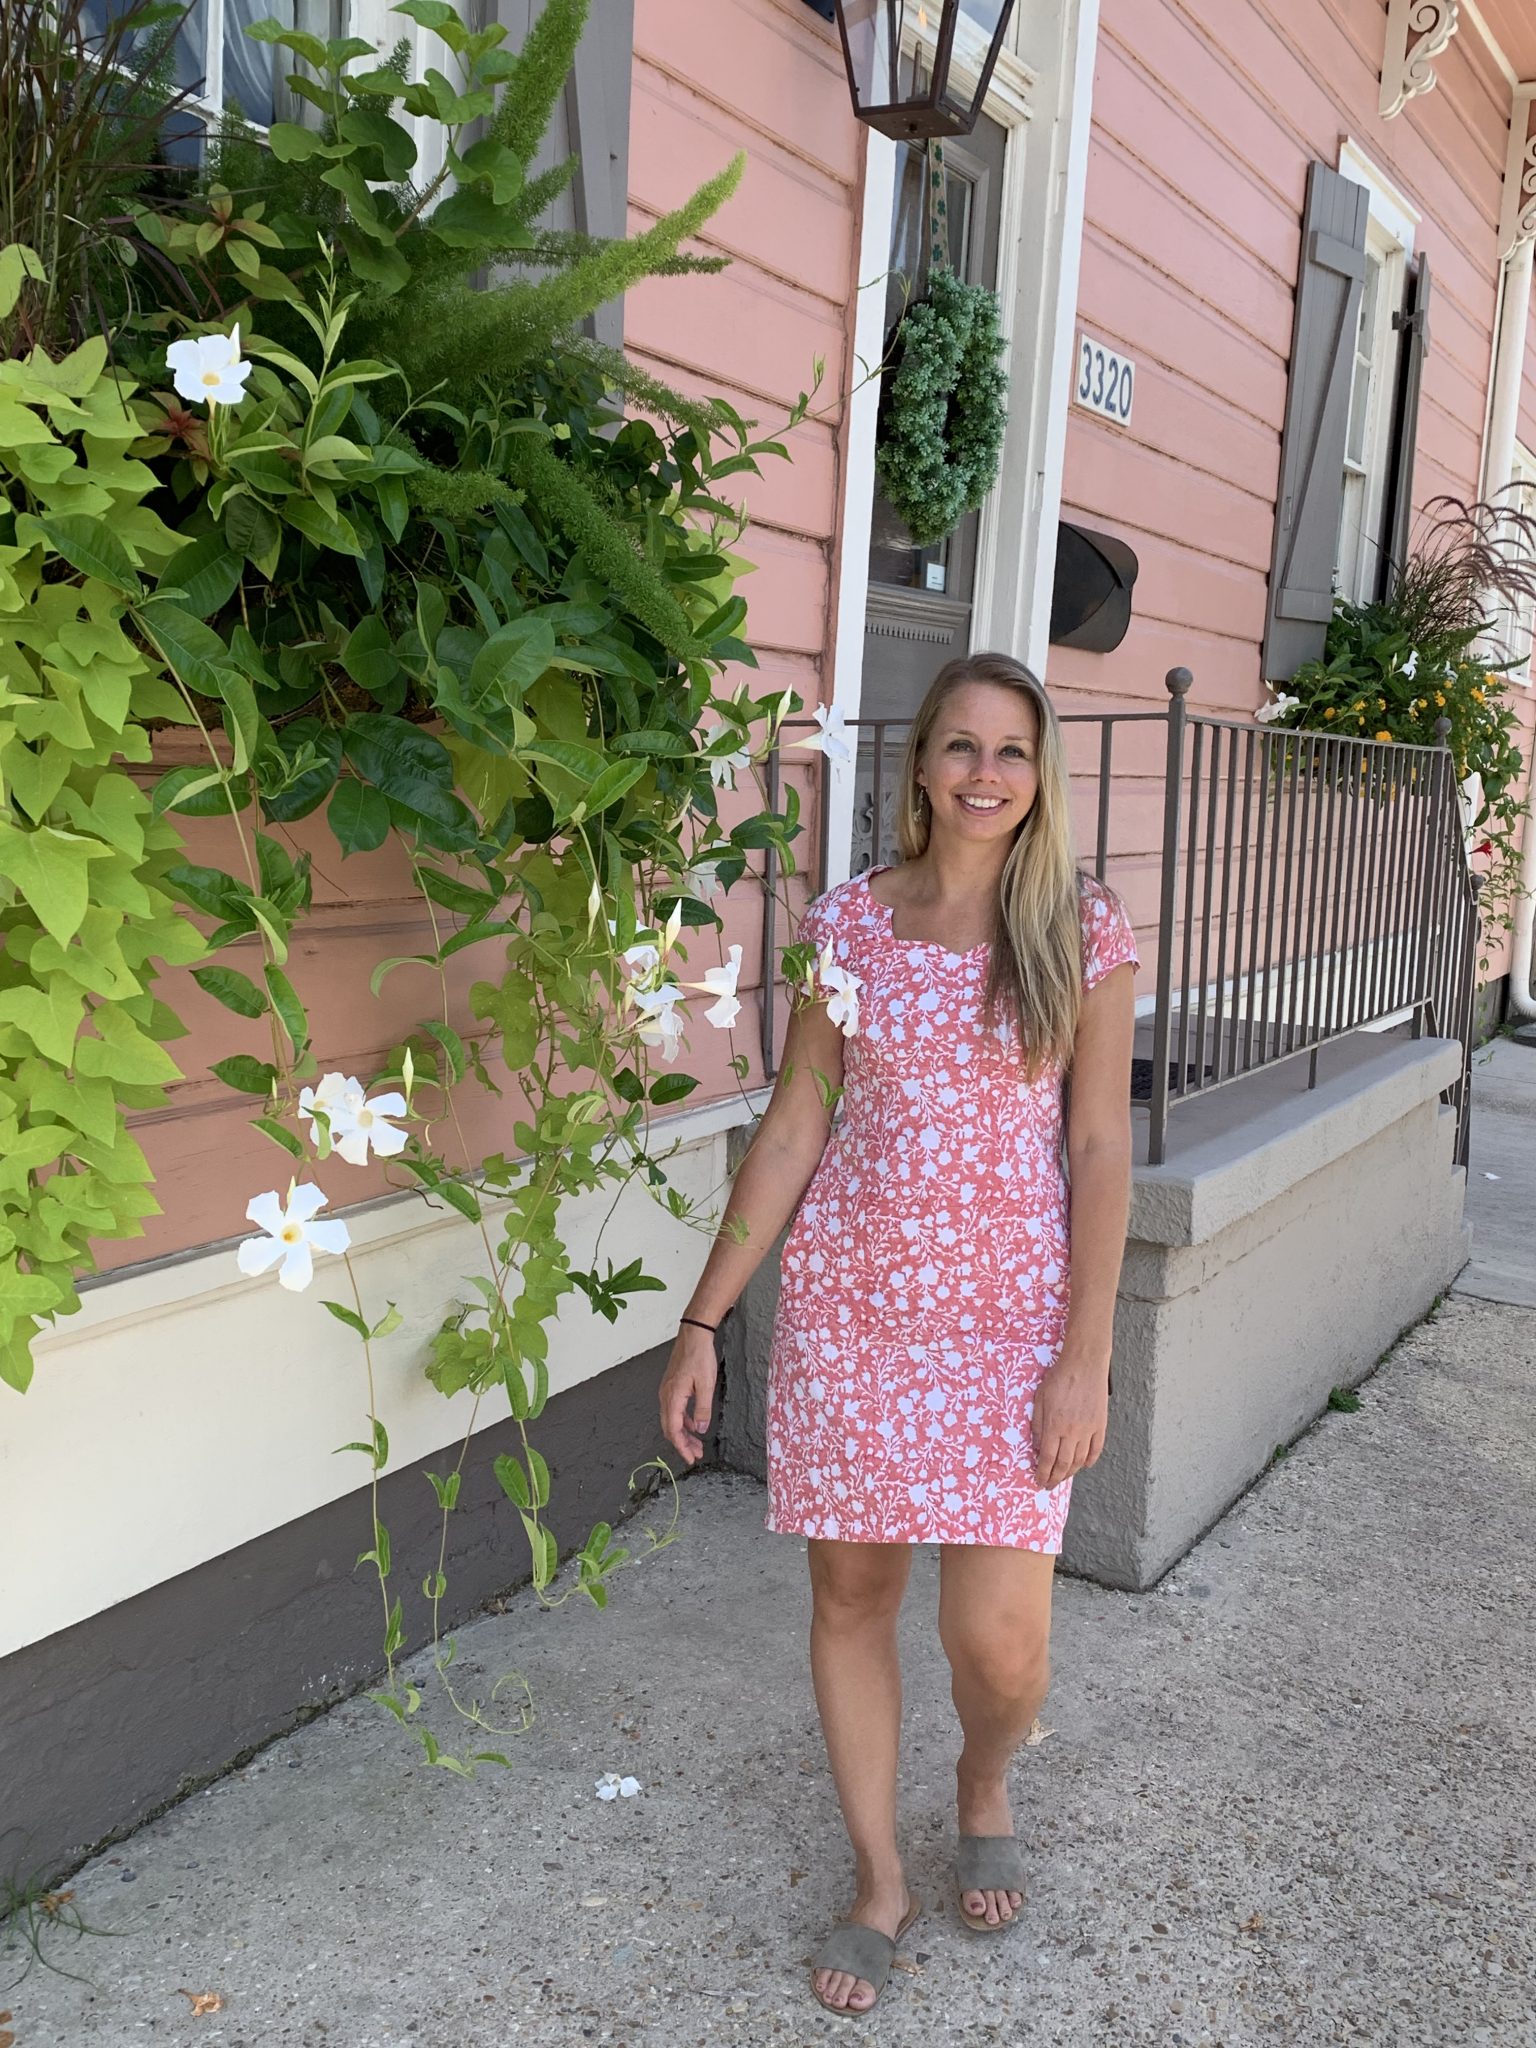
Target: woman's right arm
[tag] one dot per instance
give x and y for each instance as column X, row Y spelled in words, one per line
column 765, row 1194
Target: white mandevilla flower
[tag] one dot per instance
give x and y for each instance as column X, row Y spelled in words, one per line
column 720, row 982
column 1411, row 665
column 292, row 1235
column 662, row 1017
column 611, row 1786
column 209, row 368
column 724, row 767
column 842, row 992
column 642, row 959
column 356, row 1122
column 1269, row 714
column 832, row 740
column 703, row 879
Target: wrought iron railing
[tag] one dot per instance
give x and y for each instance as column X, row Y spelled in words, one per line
column 1290, row 888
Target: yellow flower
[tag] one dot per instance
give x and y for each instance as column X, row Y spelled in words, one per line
column 1329, row 712
column 1384, row 736
column 1440, row 698
column 1381, row 703
column 1478, row 695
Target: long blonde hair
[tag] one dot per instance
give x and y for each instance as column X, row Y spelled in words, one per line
column 1035, row 975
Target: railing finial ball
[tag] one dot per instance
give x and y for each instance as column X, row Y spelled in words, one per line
column 1442, row 731
column 1180, row 681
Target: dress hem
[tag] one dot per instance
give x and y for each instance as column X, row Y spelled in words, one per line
column 777, row 1528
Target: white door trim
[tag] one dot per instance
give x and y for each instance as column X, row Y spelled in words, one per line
column 1047, row 110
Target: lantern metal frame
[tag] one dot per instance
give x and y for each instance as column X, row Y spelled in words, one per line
column 932, row 112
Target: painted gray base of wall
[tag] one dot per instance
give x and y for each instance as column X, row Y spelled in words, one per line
column 104, row 1723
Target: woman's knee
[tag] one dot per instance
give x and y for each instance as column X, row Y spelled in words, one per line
column 853, row 1582
column 1008, row 1665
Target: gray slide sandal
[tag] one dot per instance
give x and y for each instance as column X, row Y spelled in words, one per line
column 988, row 1863
column 863, row 1952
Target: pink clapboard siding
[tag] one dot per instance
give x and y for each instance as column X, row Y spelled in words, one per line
column 764, row 76
column 1206, row 114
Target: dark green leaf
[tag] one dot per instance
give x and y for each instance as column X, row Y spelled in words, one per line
column 250, row 1077
column 89, row 545
column 205, row 571
column 290, row 1010
column 359, row 816
column 236, row 992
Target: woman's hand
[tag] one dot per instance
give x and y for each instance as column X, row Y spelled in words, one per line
column 1071, row 1418
column 688, row 1392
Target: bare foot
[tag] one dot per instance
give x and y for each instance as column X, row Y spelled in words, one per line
column 884, row 1906
column 984, row 1810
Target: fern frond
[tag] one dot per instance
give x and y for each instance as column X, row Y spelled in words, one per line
column 561, row 496
column 530, row 95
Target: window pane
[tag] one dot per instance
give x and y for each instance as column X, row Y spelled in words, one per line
column 893, row 559
column 251, row 69
column 1359, row 413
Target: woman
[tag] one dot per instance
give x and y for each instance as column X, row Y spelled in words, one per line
column 941, row 1356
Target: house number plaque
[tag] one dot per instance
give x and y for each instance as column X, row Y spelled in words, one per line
column 1105, row 383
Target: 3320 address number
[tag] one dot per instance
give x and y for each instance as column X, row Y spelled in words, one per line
column 1106, row 383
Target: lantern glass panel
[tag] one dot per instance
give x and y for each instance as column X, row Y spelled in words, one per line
column 979, row 28
column 921, row 67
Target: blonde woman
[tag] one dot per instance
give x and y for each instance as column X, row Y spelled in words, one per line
column 940, row 1362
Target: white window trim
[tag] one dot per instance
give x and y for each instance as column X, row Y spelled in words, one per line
column 1390, row 235
column 1514, row 627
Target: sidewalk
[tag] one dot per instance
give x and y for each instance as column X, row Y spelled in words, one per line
column 1286, row 1797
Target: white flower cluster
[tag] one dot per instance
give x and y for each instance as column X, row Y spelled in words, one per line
column 343, row 1119
column 826, row 982
column 656, row 996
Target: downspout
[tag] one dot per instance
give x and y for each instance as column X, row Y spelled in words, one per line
column 1498, row 468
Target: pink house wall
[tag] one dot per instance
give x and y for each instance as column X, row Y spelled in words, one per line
column 1206, row 114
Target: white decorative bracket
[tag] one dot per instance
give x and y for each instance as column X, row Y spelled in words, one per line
column 1517, row 219
column 1418, row 31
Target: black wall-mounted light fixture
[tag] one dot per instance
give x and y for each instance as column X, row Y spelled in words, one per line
column 919, row 67
column 1091, row 600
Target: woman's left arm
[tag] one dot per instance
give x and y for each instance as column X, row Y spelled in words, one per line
column 1072, row 1406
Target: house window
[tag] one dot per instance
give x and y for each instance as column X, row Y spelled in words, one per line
column 1509, row 639
column 219, row 67
column 1368, row 441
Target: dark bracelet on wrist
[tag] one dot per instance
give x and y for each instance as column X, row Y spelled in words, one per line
column 694, row 1323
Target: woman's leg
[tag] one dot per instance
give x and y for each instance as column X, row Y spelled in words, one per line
column 995, row 1625
column 856, row 1591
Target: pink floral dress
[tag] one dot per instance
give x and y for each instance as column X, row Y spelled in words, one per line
column 927, row 1274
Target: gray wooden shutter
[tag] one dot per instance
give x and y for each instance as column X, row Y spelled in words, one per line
column 591, row 122
column 1316, row 422
column 1413, row 324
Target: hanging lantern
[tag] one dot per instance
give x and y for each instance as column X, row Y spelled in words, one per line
column 921, row 67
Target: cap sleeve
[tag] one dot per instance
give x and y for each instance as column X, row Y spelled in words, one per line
column 1108, row 938
column 819, row 922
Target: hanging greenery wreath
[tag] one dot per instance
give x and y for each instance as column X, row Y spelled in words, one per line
column 944, row 408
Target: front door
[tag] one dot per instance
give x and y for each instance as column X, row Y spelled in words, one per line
column 919, row 607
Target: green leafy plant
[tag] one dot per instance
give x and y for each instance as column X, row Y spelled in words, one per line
column 1408, row 669
column 387, row 545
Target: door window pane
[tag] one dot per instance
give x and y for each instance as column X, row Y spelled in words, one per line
column 892, row 557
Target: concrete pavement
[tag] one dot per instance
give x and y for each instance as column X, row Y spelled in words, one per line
column 1286, row 1796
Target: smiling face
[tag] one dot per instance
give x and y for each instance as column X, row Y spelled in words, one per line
column 980, row 765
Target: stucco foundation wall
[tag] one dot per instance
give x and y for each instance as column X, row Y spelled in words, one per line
column 1227, row 1349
